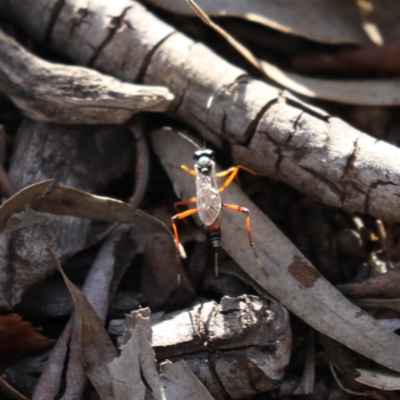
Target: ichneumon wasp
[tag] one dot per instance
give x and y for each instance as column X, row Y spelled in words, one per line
column 208, row 200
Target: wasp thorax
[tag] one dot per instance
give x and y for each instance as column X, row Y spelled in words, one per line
column 204, row 165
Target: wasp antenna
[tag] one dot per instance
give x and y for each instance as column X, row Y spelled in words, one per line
column 209, row 104
column 216, row 264
column 189, row 140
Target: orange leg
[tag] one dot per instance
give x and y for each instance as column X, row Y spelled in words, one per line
column 184, row 202
column 245, row 211
column 176, row 217
column 188, row 170
column 232, row 172
column 248, row 226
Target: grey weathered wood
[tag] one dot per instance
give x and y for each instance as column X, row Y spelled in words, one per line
column 274, row 133
column 58, row 152
column 67, row 94
column 240, row 346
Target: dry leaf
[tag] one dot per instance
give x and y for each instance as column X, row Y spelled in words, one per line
column 368, row 92
column 365, row 59
column 393, row 304
column 379, row 379
column 285, row 273
column 17, row 336
column 96, row 346
column 319, row 20
column 364, row 92
column 292, row 17
column 63, row 200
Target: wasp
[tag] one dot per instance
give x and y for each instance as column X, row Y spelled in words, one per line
column 208, row 200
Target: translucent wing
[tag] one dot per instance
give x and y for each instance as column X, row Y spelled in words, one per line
column 208, row 198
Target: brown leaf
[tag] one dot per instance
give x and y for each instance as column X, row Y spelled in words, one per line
column 379, row 379
column 393, row 304
column 364, row 92
column 365, row 59
column 96, row 346
column 63, row 200
column 18, row 336
column 290, row 17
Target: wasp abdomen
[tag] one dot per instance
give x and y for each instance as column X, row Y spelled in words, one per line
column 215, row 238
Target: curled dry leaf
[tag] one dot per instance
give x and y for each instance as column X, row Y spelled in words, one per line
column 71, row 95
column 96, row 347
column 284, row 273
column 360, row 92
column 365, row 59
column 379, row 379
column 393, row 304
column 17, row 336
column 368, row 92
column 310, row 21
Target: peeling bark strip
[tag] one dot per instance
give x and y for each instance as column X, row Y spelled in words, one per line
column 290, row 141
column 71, row 95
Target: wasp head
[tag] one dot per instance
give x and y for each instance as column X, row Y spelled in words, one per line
column 205, row 163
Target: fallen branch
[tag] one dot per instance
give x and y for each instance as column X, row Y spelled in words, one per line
column 273, row 133
column 71, row 95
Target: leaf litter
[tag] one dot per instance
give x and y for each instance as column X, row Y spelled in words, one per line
column 121, row 377
column 285, row 273
column 369, row 92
